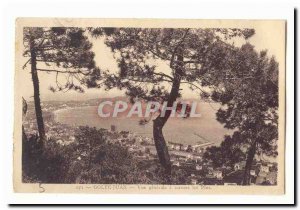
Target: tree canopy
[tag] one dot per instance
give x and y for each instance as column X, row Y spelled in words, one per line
column 250, row 99
column 204, row 54
column 196, row 57
column 62, row 51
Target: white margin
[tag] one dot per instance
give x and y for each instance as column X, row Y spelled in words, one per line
column 234, row 9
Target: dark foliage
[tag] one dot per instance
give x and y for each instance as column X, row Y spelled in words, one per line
column 195, row 57
column 46, row 165
column 91, row 159
column 227, row 154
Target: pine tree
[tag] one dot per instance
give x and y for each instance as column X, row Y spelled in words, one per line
column 250, row 104
column 58, row 50
column 195, row 57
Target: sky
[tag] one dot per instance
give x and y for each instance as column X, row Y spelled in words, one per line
column 270, row 36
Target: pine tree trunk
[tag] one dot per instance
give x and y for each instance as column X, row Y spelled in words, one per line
column 24, row 109
column 249, row 161
column 161, row 146
column 36, row 96
column 160, row 121
column 158, row 124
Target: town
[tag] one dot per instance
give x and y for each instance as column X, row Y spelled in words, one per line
column 188, row 158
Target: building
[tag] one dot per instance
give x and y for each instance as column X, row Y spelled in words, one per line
column 240, row 166
column 265, row 168
column 198, row 167
column 171, row 146
column 199, row 150
column 113, row 128
column 254, row 170
column 185, row 147
column 177, row 147
column 189, row 156
column 272, row 178
column 194, row 181
column 72, row 138
column 176, row 163
column 197, row 158
column 210, row 168
column 217, row 174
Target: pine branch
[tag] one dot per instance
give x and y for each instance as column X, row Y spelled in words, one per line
column 63, row 72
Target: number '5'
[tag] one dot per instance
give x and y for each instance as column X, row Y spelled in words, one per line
column 41, row 188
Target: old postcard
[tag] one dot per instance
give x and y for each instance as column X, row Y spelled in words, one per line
column 149, row 106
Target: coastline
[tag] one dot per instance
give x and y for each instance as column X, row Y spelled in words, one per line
column 55, row 113
column 181, row 131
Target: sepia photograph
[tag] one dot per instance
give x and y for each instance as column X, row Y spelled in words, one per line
column 149, row 106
